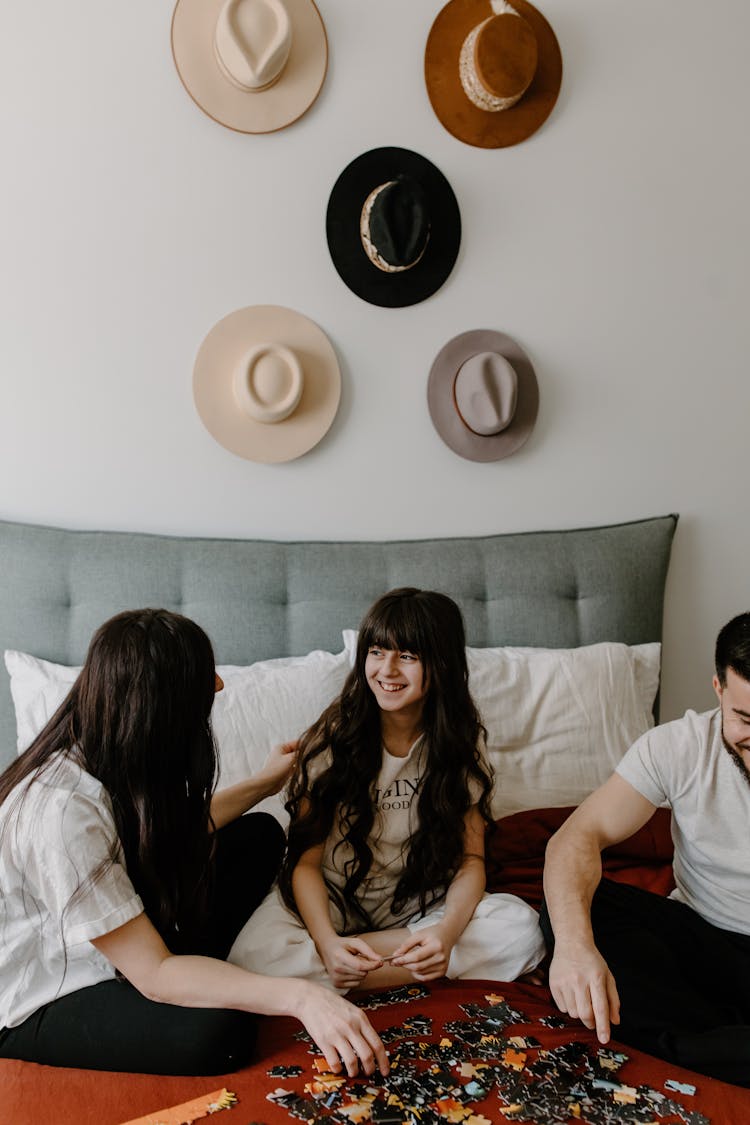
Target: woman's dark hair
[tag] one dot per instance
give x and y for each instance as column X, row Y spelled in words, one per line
column 733, row 648
column 429, row 625
column 137, row 719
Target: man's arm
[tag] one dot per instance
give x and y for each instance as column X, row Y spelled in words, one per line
column 579, row 978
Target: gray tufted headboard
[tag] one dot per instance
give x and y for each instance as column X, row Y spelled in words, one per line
column 257, row 599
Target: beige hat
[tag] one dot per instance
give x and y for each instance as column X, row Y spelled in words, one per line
column 267, row 383
column 483, row 395
column 252, row 65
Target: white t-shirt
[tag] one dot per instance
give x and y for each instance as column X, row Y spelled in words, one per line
column 395, row 795
column 685, row 764
column 49, row 844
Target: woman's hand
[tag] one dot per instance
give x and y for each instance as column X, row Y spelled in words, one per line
column 348, row 960
column 341, row 1031
column 227, row 804
column 425, row 953
column 274, row 773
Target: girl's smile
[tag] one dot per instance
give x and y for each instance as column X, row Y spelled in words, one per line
column 395, row 677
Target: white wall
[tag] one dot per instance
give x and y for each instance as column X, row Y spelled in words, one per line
column 613, row 245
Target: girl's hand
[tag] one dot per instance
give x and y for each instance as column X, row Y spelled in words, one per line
column 425, row 953
column 277, row 767
column 341, row 1031
column 348, row 960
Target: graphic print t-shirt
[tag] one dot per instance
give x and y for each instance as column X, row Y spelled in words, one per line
column 395, row 795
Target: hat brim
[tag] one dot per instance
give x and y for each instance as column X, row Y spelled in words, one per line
column 456, row 112
column 223, row 348
column 354, row 185
column 442, row 404
column 262, row 111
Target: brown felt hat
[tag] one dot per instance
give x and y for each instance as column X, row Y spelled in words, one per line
column 493, row 70
column 483, row 395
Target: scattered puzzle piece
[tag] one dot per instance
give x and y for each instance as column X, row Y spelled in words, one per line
column 440, row 1081
column 187, row 1112
column 679, row 1087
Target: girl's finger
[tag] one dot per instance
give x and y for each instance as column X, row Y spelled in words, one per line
column 362, row 950
column 406, row 946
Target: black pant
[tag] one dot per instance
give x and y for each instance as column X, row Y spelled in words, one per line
column 684, row 984
column 111, row 1026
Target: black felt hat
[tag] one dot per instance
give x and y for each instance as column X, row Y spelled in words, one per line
column 393, row 227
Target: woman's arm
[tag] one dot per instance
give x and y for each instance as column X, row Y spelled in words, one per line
column 426, row 952
column 347, row 959
column 343, row 1032
column 227, row 804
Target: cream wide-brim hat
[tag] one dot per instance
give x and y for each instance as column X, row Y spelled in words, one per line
column 249, row 111
column 444, row 409
column 221, row 371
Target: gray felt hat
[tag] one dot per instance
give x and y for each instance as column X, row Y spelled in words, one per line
column 483, row 395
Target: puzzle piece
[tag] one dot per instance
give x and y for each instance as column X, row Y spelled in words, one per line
column 284, row 1071
column 187, row 1112
column 404, row 994
column 679, row 1087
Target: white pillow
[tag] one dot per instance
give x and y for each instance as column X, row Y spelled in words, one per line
column 37, row 687
column 558, row 720
column 271, row 702
column 262, row 704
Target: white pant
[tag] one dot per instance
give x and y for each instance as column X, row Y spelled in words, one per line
column 501, row 941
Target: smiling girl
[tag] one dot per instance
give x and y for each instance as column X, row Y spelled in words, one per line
column 383, row 881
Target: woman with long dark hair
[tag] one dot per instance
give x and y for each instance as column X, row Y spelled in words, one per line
column 124, row 878
column 383, row 880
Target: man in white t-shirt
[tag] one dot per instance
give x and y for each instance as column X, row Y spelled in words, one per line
column 673, row 973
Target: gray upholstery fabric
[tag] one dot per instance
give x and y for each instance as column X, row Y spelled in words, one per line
column 259, row 599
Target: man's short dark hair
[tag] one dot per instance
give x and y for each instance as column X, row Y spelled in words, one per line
column 733, row 648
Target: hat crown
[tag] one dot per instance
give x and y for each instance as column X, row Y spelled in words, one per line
column 498, row 59
column 268, row 382
column 252, row 42
column 486, row 393
column 399, row 222
column 505, row 55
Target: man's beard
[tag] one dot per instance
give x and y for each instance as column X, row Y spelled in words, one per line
column 738, row 761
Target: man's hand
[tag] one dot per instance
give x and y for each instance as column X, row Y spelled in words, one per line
column 348, row 960
column 341, row 1031
column 425, row 953
column 583, row 986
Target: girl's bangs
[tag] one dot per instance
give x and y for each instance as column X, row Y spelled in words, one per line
column 397, row 630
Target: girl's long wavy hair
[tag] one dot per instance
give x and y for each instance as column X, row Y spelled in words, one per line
column 137, row 719
column 429, row 625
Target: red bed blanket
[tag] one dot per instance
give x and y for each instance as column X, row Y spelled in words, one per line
column 31, row 1094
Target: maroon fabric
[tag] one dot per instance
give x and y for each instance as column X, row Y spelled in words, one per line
column 32, row 1094
column 515, row 854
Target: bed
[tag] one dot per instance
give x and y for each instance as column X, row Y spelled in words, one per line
column 563, row 630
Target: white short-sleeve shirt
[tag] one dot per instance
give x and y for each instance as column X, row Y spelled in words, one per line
column 685, row 764
column 55, row 833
